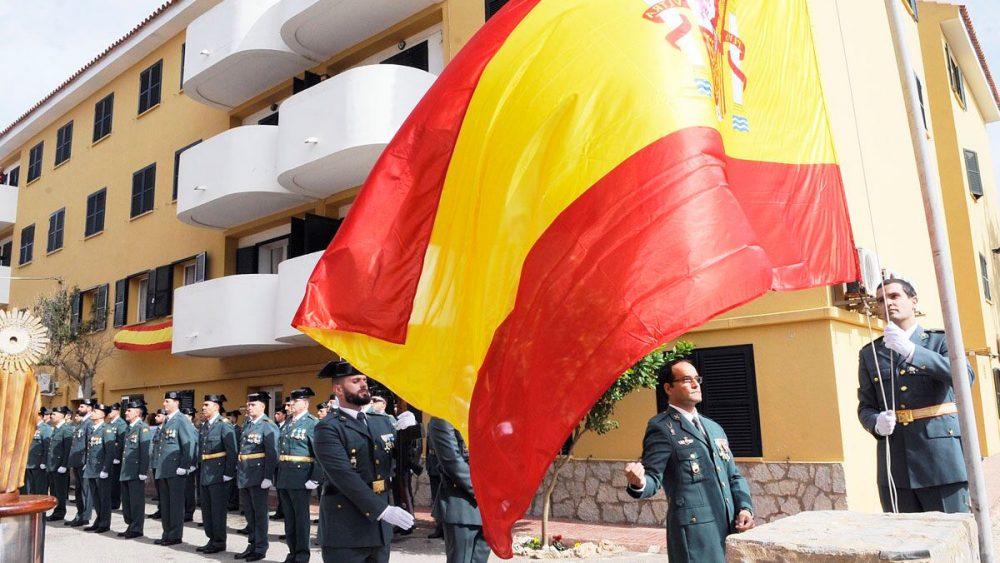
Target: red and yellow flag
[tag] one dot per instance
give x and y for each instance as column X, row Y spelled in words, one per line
column 586, row 180
column 145, row 338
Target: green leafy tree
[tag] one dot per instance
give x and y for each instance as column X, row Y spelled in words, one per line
column 643, row 375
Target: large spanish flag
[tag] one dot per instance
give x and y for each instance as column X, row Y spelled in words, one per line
column 585, row 181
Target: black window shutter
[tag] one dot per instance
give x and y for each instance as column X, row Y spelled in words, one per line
column 160, row 292
column 297, row 238
column 121, row 302
column 493, row 6
column 246, row 260
column 319, row 231
column 416, row 57
column 200, row 267
column 729, row 395
column 101, row 308
column 75, row 310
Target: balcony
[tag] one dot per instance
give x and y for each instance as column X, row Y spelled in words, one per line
column 4, row 285
column 331, row 134
column 8, row 206
column 320, row 28
column 292, row 277
column 226, row 316
column 230, row 179
column 234, row 52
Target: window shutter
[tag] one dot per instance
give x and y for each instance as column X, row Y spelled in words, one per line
column 729, row 395
column 159, row 292
column 493, row 6
column 121, row 302
column 200, row 267
column 75, row 310
column 101, row 307
column 297, row 238
column 319, row 231
column 417, row 57
column 972, row 173
column 246, row 260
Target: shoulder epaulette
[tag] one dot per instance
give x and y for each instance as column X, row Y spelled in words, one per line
column 145, row 429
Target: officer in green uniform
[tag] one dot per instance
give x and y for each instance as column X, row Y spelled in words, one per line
column 689, row 456
column 455, row 503
column 77, row 461
column 134, row 469
column 58, row 461
column 154, row 448
column 910, row 365
column 298, row 473
column 234, row 491
column 102, row 449
column 217, row 447
column 115, row 419
column 173, row 457
column 354, row 449
column 36, row 480
column 255, row 472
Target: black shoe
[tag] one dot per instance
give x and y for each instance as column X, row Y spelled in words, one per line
column 278, row 517
column 201, row 524
column 53, row 518
column 159, row 541
column 189, row 518
column 154, row 516
column 232, row 508
column 315, row 521
column 213, row 549
column 201, row 549
column 245, row 554
column 437, row 533
column 165, row 543
column 78, row 523
column 244, row 531
column 405, row 532
column 282, row 537
column 122, row 534
column 131, row 535
column 91, row 528
column 255, row 557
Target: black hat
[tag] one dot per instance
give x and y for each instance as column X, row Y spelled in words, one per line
column 61, row 410
column 262, row 396
column 175, row 395
column 219, row 399
column 161, row 411
column 136, row 404
column 187, row 411
column 43, row 411
column 89, row 403
column 116, row 407
column 301, row 393
column 339, row 368
column 102, row 407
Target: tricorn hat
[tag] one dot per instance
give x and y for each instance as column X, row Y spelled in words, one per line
column 43, row 411
column 89, row 403
column 262, row 396
column 102, row 407
column 218, row 399
column 116, row 406
column 339, row 368
column 161, row 411
column 301, row 393
column 136, row 404
column 61, row 410
column 175, row 395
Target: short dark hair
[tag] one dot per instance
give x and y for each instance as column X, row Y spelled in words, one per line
column 667, row 373
column 907, row 286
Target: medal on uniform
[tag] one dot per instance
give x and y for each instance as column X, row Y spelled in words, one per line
column 723, row 446
column 354, row 458
column 685, row 441
column 695, row 468
column 387, row 439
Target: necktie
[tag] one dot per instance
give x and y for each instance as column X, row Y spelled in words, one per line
column 698, row 425
column 363, row 418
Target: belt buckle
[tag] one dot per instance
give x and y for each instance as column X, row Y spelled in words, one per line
column 378, row 486
column 904, row 416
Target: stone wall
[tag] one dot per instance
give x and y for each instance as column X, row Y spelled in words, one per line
column 594, row 491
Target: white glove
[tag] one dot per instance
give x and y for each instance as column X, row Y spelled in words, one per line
column 405, row 420
column 885, row 423
column 104, row 474
column 61, row 470
column 311, row 485
column 41, row 466
column 116, row 461
column 182, row 472
column 226, row 478
column 266, row 484
column 896, row 340
column 191, row 469
column 397, row 517
column 142, row 477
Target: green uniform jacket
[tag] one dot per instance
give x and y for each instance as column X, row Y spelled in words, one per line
column 926, row 452
column 297, row 440
column 121, row 427
column 219, row 437
column 38, row 453
column 174, row 447
column 135, row 453
column 704, row 488
column 78, row 449
column 260, row 437
column 101, row 451
column 59, row 447
column 353, row 456
column 456, row 502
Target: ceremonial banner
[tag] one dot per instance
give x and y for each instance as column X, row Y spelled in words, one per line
column 585, row 181
column 145, row 338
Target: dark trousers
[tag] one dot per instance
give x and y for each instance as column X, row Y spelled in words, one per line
column 190, row 501
column 234, row 495
column 100, row 491
column 356, row 554
column 214, row 499
column 116, row 486
column 435, row 480
column 297, row 522
column 160, row 491
column 134, row 505
column 37, row 482
column 254, row 501
column 465, row 544
column 83, row 501
column 59, row 488
column 172, row 507
column 953, row 498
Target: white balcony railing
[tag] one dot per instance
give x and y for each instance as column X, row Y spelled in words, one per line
column 226, row 316
column 320, row 28
column 234, row 52
column 331, row 134
column 8, row 206
column 230, row 179
column 292, row 277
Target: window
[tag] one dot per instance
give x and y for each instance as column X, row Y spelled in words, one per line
column 14, row 176
column 996, row 385
column 27, row 244
column 493, row 6
column 149, row 86
column 190, row 274
column 95, row 212
column 143, row 187
column 103, row 112
column 270, row 255
column 6, row 251
column 121, row 303
column 56, row 222
column 35, row 162
column 972, row 173
column 64, row 143
column 984, row 268
column 183, row 54
column 177, row 166
column 920, row 96
column 955, row 78
column 143, row 298
column 417, row 57
column 94, row 301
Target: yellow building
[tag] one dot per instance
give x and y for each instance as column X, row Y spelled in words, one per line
column 192, row 174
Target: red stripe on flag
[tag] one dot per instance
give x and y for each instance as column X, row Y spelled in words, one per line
column 660, row 245
column 143, row 347
column 380, row 260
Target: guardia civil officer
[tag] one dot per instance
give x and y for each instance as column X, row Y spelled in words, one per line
column 255, row 472
column 115, row 419
column 689, row 456
column 174, row 456
column 77, row 461
column 102, row 449
column 217, row 444
column 455, row 503
column 234, row 491
column 911, row 365
column 36, row 480
column 58, row 461
column 355, row 451
column 298, row 473
column 134, row 469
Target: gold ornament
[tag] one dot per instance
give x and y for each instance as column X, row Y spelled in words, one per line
column 23, row 340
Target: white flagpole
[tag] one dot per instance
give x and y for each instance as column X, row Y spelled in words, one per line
column 933, row 208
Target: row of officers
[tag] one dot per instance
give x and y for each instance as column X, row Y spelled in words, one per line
column 347, row 457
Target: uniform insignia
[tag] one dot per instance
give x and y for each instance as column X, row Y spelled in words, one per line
column 685, row 441
column 695, row 468
column 389, row 441
column 145, row 429
column 723, row 445
column 676, row 417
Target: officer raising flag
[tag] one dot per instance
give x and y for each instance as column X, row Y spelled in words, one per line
column 257, row 460
column 134, row 469
column 298, row 473
column 217, row 444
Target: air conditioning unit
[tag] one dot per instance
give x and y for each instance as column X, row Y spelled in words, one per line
column 871, row 276
column 46, row 383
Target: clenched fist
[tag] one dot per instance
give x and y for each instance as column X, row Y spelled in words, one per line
column 635, row 473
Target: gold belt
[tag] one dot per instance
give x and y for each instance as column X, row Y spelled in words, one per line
column 378, row 486
column 217, row 455
column 907, row 416
column 302, row 458
column 244, row 457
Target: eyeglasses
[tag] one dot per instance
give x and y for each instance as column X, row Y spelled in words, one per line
column 688, row 379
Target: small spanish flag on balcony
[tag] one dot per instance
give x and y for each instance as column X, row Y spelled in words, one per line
column 585, row 181
column 145, row 338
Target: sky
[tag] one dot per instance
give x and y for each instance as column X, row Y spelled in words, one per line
column 45, row 41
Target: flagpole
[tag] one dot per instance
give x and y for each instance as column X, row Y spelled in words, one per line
column 933, row 204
